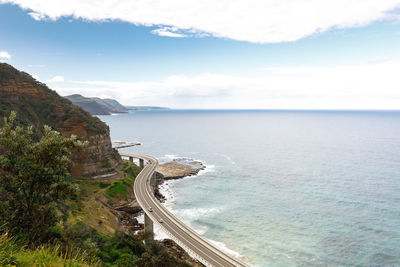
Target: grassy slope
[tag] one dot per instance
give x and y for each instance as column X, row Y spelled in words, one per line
column 93, row 243
column 14, row 253
column 94, row 223
column 89, row 206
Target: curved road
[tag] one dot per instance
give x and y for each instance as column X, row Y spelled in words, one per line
column 184, row 236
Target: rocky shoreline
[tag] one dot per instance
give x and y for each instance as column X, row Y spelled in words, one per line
column 127, row 213
column 176, row 169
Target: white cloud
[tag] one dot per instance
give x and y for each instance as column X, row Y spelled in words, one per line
column 370, row 86
column 37, row 16
column 4, row 55
column 169, row 32
column 260, row 21
column 36, row 77
column 56, row 79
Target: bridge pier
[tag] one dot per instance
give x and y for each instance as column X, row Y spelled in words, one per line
column 141, row 163
column 148, row 227
column 131, row 159
column 153, row 180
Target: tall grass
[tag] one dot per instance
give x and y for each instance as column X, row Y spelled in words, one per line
column 15, row 253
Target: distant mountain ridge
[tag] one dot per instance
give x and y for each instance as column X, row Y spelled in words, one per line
column 145, row 107
column 96, row 105
column 107, row 106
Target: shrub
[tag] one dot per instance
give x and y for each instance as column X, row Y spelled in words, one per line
column 34, row 178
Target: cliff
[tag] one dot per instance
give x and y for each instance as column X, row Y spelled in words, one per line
column 38, row 105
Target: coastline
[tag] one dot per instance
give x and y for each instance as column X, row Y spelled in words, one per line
column 166, row 196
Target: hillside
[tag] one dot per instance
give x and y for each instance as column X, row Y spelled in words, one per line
column 115, row 104
column 100, row 229
column 106, row 106
column 97, row 106
column 38, row 105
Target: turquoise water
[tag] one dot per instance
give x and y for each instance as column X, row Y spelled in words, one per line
column 283, row 188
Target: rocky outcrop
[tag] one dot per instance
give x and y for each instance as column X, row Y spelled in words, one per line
column 175, row 169
column 96, row 159
column 179, row 168
column 38, row 105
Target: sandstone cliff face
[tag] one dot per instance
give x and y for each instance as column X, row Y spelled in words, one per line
column 37, row 105
column 98, row 157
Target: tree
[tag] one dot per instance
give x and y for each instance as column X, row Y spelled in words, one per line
column 157, row 256
column 34, row 178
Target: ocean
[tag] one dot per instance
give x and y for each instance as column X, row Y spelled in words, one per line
column 282, row 188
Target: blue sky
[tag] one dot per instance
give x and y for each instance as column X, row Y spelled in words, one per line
column 134, row 64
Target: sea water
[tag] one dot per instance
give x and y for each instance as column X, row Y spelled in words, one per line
column 282, row 188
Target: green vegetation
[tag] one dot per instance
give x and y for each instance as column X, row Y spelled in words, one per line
column 50, row 219
column 106, row 165
column 84, row 189
column 120, row 188
column 34, row 178
column 131, row 169
column 8, row 72
column 81, row 245
column 117, row 189
column 14, row 253
column 118, row 250
column 103, row 185
column 114, row 190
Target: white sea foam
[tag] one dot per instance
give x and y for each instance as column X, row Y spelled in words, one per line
column 197, row 213
column 190, row 215
column 166, row 191
column 159, row 234
column 140, row 218
column 207, row 169
column 224, row 248
column 170, row 156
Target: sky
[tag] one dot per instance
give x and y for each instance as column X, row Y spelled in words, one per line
column 211, row 54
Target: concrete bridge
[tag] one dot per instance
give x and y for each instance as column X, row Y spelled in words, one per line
column 194, row 244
